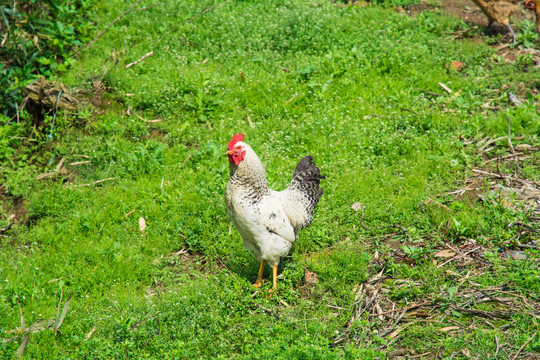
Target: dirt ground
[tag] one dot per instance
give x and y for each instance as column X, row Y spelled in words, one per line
column 470, row 13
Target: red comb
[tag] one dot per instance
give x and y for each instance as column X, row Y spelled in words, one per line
column 236, row 138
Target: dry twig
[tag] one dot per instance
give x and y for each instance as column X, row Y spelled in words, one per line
column 512, row 146
column 94, row 183
column 140, row 59
column 111, row 24
column 458, row 257
column 523, row 346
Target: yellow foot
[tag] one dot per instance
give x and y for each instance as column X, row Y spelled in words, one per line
column 258, row 282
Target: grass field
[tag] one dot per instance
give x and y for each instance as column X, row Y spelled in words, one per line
column 434, row 262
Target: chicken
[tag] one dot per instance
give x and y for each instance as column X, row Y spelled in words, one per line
column 534, row 5
column 499, row 11
column 268, row 221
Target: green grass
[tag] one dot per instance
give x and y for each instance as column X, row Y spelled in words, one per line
column 343, row 84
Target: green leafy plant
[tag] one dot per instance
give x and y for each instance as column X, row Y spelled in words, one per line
column 38, row 39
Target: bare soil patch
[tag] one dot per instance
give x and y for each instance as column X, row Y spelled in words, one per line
column 467, row 11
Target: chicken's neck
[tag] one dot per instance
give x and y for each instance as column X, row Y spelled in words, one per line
column 250, row 173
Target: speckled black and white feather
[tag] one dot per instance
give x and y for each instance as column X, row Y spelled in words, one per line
column 267, row 220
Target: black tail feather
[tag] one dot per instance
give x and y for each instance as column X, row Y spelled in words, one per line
column 306, row 178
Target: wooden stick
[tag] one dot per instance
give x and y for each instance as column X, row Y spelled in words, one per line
column 494, row 175
column 60, row 164
column 140, row 59
column 446, row 88
column 79, row 163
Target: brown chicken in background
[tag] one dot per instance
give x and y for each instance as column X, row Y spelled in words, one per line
column 534, row 5
column 499, row 11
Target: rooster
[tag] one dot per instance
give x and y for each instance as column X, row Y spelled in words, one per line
column 499, row 11
column 268, row 221
column 534, row 5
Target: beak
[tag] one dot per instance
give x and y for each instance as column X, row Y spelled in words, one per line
column 230, row 152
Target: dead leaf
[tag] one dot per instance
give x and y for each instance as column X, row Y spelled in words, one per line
column 310, row 277
column 10, row 222
column 20, row 351
column 142, row 224
column 284, row 303
column 179, row 252
column 63, row 315
column 395, row 333
column 89, row 335
column 456, row 65
column 523, row 147
column 41, row 325
column 514, row 99
column 466, row 352
column 452, row 273
column 448, row 328
column 445, row 253
column 250, row 122
column 357, row 206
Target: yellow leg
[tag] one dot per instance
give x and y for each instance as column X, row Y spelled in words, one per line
column 258, row 282
column 274, row 278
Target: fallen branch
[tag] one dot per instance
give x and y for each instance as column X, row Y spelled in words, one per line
column 409, row 110
column 79, row 163
column 362, row 222
column 446, row 88
column 500, row 176
column 140, row 59
column 491, row 315
column 57, row 170
column 506, row 157
column 60, row 164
